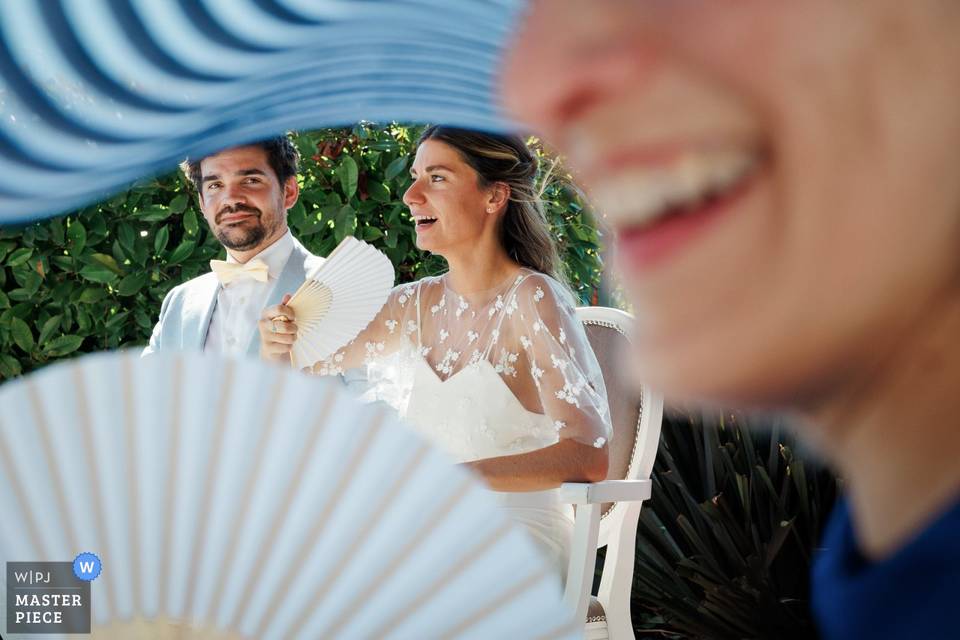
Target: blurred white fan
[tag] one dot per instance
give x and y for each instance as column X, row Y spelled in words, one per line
column 339, row 300
column 234, row 499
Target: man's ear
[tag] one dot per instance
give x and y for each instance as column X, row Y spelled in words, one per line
column 291, row 192
column 498, row 197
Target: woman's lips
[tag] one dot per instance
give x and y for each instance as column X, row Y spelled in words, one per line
column 644, row 246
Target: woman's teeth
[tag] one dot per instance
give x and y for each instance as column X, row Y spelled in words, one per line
column 423, row 220
column 640, row 196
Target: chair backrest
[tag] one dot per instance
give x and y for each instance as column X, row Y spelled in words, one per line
column 635, row 414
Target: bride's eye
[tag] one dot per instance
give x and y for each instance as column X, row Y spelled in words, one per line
column 436, row 178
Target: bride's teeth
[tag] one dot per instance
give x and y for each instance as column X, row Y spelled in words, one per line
column 643, row 195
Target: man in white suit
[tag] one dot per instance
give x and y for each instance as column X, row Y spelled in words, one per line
column 244, row 194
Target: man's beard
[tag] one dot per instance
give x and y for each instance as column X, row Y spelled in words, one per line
column 243, row 237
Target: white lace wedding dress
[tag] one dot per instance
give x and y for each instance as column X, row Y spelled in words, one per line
column 499, row 373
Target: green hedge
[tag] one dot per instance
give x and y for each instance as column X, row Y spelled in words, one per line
column 94, row 279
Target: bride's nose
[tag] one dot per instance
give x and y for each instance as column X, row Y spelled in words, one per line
column 413, row 195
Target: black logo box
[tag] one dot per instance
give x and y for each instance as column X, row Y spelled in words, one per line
column 28, row 579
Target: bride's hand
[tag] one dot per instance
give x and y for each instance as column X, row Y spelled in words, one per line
column 277, row 332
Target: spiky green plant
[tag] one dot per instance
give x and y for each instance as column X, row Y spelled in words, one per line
column 725, row 544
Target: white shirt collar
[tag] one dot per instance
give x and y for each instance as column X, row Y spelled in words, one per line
column 275, row 256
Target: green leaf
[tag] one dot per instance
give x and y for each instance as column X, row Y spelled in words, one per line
column 142, row 319
column 64, row 263
column 19, row 256
column 378, row 191
column 76, row 237
column 179, row 203
column 160, row 240
column 132, row 283
column 51, row 325
column 21, row 334
column 83, row 321
column 32, row 282
column 63, row 345
column 390, row 238
column 395, row 168
column 9, row 366
column 127, row 237
column 190, row 223
column 348, row 173
column 92, row 294
column 182, row 252
column 384, row 145
column 344, row 223
column 116, row 320
column 57, row 231
column 4, row 301
column 97, row 273
column 372, row 233
column 20, row 295
column 5, row 248
column 154, row 213
column 107, row 261
column 296, row 215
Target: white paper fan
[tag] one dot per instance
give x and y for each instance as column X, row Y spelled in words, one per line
column 339, row 300
column 235, row 499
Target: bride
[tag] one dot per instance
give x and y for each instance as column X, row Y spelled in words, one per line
column 488, row 361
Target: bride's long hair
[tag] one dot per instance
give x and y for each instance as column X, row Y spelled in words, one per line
column 524, row 230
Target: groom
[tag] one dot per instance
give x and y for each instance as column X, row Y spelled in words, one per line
column 244, row 194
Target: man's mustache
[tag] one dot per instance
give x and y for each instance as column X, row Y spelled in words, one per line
column 236, row 209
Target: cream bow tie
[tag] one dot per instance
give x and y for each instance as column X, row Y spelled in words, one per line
column 227, row 272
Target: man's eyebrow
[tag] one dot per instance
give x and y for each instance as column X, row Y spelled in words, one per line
column 241, row 172
column 434, row 167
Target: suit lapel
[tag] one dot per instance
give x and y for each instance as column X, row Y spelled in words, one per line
column 198, row 312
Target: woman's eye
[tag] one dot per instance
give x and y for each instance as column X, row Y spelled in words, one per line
column 213, row 186
column 436, row 178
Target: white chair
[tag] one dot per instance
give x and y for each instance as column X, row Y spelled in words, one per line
column 607, row 512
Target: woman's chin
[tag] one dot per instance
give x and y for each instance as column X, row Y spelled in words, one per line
column 745, row 376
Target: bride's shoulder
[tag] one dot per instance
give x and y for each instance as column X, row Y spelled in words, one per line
column 403, row 293
column 542, row 290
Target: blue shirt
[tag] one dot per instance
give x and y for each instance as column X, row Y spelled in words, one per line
column 914, row 593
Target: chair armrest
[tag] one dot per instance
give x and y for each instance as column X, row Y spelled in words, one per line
column 606, row 491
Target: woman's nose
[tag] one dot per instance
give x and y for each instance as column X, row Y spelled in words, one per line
column 413, row 195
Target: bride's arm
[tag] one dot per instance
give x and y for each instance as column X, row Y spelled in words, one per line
column 562, row 367
column 566, row 461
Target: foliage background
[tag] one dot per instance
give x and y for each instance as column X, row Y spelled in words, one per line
column 94, row 279
column 726, row 542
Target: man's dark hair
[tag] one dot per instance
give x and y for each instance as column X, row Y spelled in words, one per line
column 283, row 157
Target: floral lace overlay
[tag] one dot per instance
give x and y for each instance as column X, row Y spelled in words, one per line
column 504, row 371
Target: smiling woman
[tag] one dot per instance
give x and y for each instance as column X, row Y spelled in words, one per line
column 487, row 360
column 796, row 166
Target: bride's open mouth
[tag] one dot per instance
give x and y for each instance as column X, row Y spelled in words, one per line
column 423, row 222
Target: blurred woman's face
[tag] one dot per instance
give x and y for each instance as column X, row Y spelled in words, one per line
column 783, row 178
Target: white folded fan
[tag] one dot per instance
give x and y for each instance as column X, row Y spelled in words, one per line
column 234, row 499
column 339, row 300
